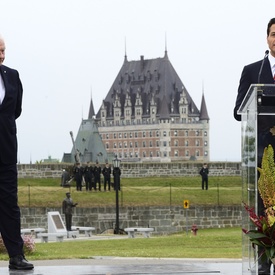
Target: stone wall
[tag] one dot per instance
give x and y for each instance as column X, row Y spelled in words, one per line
column 165, row 220
column 137, row 170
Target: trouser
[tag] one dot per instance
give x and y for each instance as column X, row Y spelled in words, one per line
column 204, row 182
column 79, row 184
column 97, row 180
column 68, row 220
column 88, row 184
column 107, row 181
column 9, row 210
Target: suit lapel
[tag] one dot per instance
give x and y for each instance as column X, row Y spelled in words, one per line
column 3, row 73
column 266, row 76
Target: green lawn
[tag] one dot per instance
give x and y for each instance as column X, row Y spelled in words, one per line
column 209, row 243
column 135, row 192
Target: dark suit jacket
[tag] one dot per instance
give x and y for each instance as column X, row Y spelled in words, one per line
column 10, row 110
column 250, row 76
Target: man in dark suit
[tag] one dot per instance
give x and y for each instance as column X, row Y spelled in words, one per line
column 107, row 171
column 252, row 74
column 10, row 109
column 97, row 173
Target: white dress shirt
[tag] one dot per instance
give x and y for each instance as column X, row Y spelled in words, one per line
column 2, row 90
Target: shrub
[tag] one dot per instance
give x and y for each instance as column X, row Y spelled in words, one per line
column 29, row 245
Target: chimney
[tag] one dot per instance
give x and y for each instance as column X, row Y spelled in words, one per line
column 142, row 62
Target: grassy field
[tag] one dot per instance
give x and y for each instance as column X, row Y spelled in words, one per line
column 209, row 243
column 135, row 192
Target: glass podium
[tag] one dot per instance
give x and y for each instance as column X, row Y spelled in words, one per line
column 258, row 116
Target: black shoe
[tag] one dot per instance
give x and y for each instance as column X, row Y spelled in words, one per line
column 19, row 263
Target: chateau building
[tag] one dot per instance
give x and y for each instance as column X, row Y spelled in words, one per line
column 148, row 115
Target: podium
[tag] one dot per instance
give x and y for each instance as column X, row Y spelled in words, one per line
column 258, row 117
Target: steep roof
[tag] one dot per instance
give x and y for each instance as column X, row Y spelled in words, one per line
column 91, row 110
column 203, row 110
column 89, row 143
column 151, row 78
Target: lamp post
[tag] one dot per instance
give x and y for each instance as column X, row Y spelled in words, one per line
column 116, row 173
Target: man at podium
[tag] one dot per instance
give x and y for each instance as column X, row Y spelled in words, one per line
column 260, row 72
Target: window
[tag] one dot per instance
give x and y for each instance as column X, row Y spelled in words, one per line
column 114, row 135
column 176, row 133
column 157, row 133
column 187, row 153
column 114, row 145
column 125, row 135
column 176, row 153
column 197, row 143
column 107, row 145
column 176, row 142
column 205, row 133
column 144, row 154
column 120, row 145
column 150, row 134
column 164, row 143
column 186, row 143
column 151, row 154
column 136, row 134
column 107, row 136
column 151, row 144
column 197, row 153
column 205, row 143
column 197, row 133
column 186, row 133
column 136, row 144
column 164, row 133
column 143, row 144
column 125, row 144
column 144, row 134
column 157, row 143
column 131, row 144
column 136, row 154
column 120, row 135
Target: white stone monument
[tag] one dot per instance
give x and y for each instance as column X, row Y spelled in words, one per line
column 55, row 224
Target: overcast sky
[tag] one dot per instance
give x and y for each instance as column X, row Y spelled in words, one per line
column 67, row 51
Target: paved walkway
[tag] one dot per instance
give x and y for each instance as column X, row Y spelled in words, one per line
column 130, row 266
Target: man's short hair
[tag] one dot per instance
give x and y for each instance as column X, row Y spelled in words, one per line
column 270, row 23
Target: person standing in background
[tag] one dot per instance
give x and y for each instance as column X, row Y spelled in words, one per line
column 97, row 172
column 78, row 176
column 106, row 171
column 11, row 92
column 204, row 176
column 88, row 175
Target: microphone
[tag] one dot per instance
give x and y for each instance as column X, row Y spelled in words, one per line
column 260, row 72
